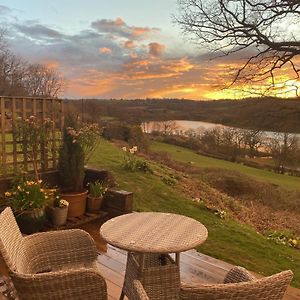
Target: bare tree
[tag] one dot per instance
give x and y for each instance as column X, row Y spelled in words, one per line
column 232, row 139
column 169, row 127
column 12, row 72
column 43, row 81
column 284, row 148
column 267, row 31
column 252, row 140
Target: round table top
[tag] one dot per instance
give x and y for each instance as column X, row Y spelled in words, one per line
column 153, row 232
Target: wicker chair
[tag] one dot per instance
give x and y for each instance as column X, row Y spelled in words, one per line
column 51, row 265
column 239, row 284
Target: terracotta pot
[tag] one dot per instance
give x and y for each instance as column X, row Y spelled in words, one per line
column 77, row 203
column 59, row 215
column 94, row 203
column 31, row 221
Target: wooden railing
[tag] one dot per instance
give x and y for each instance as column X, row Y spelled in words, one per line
column 12, row 158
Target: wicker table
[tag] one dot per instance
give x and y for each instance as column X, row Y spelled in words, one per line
column 149, row 237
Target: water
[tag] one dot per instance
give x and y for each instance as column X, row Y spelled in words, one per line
column 191, row 128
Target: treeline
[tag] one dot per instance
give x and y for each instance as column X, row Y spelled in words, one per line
column 237, row 145
column 20, row 78
column 270, row 114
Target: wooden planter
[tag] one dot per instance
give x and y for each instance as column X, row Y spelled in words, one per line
column 94, row 203
column 77, row 203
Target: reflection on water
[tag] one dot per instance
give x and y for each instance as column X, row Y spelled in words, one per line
column 179, row 126
column 191, row 128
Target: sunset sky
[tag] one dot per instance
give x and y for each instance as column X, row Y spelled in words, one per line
column 114, row 49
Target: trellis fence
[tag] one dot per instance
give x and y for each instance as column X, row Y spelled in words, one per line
column 12, row 109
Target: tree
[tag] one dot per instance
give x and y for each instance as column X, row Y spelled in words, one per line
column 284, row 148
column 19, row 78
column 43, row 81
column 12, row 73
column 252, row 139
column 169, row 127
column 267, row 31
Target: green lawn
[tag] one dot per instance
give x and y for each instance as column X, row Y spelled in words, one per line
column 188, row 156
column 228, row 240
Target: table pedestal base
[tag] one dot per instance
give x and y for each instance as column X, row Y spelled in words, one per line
column 158, row 273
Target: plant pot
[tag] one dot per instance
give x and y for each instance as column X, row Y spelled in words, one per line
column 31, row 221
column 59, row 215
column 77, row 203
column 94, row 203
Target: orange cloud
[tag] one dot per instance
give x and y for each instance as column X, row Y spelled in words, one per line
column 139, row 31
column 119, row 22
column 129, row 44
column 52, row 64
column 105, row 50
column 156, row 49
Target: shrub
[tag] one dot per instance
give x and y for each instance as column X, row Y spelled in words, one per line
column 77, row 147
column 97, row 189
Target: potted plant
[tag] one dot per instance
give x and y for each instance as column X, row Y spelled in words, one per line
column 79, row 142
column 59, row 212
column 28, row 200
column 95, row 196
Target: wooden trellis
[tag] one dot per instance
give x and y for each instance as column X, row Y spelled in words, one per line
column 12, row 158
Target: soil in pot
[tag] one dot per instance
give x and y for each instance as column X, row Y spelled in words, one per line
column 77, row 203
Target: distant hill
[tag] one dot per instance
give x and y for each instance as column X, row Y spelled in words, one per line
column 267, row 114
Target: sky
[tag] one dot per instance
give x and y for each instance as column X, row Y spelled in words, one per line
column 114, row 49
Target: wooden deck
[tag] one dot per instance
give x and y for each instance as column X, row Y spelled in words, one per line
column 195, row 267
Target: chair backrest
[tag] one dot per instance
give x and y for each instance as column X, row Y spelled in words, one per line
column 267, row 288
column 10, row 238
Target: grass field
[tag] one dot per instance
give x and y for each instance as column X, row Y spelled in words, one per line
column 188, row 156
column 228, row 240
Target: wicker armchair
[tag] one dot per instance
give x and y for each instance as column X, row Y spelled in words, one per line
column 239, row 284
column 51, row 265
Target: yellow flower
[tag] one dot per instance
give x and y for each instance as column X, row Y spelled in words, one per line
column 7, row 194
column 19, row 188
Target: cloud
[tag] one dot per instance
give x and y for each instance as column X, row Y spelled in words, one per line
column 129, row 44
column 110, row 59
column 105, row 50
column 38, row 31
column 4, row 10
column 156, row 49
column 120, row 29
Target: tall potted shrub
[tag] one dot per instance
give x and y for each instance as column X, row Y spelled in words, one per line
column 78, row 144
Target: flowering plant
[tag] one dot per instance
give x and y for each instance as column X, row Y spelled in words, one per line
column 27, row 195
column 132, row 163
column 79, row 142
column 61, row 203
column 34, row 136
column 97, row 189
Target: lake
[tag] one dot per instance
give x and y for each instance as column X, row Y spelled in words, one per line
column 183, row 127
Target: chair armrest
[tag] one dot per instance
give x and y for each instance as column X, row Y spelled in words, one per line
column 238, row 274
column 74, row 284
column 48, row 250
column 139, row 291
